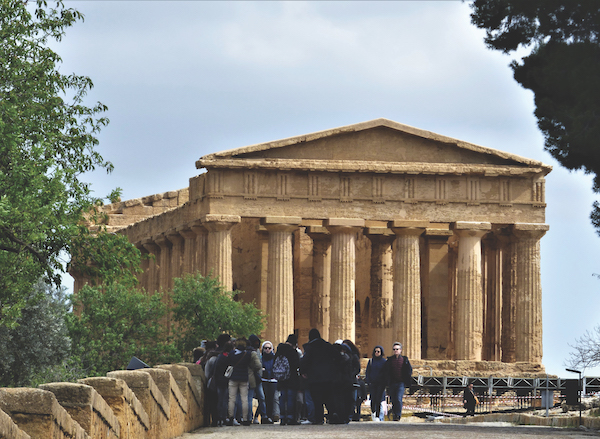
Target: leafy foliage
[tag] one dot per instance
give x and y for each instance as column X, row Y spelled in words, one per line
column 562, row 70
column 114, row 322
column 47, row 140
column 513, row 23
column 203, row 310
column 39, row 342
column 104, row 257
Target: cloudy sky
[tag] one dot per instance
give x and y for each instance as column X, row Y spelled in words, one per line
column 184, row 79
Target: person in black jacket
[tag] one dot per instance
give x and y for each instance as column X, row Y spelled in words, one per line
column 398, row 372
column 470, row 400
column 288, row 386
column 376, row 381
column 222, row 382
column 344, row 384
column 356, row 399
column 238, row 382
column 318, row 364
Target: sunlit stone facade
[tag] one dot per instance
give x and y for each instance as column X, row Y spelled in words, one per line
column 377, row 232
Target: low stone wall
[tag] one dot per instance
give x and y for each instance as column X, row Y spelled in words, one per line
column 133, row 419
column 8, row 429
column 153, row 403
column 38, row 413
column 87, row 408
column 590, row 422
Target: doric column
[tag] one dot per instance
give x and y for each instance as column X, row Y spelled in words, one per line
column 321, row 279
column 436, row 293
column 164, row 275
column 201, row 248
column 280, row 277
column 189, row 249
column 176, row 262
column 219, row 247
column 164, row 271
column 529, row 292
column 381, row 286
column 407, row 286
column 509, row 298
column 144, row 264
column 469, row 290
column 153, row 250
column 343, row 276
column 492, row 328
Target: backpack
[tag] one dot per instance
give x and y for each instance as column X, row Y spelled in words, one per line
column 281, row 368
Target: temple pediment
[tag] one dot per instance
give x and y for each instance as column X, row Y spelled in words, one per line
column 379, row 145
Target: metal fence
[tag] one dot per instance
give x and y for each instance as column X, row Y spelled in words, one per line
column 444, row 395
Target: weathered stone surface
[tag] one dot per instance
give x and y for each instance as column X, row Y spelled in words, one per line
column 9, row 430
column 152, row 399
column 191, row 388
column 482, row 212
column 134, row 421
column 87, row 408
column 38, row 413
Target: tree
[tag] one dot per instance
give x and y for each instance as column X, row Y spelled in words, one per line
column 203, row 310
column 115, row 322
column 47, row 140
column 39, row 342
column 586, row 350
column 562, row 70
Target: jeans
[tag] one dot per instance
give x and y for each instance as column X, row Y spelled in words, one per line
column 260, row 396
column 286, row 404
column 269, row 390
column 396, row 394
column 310, row 406
column 222, row 400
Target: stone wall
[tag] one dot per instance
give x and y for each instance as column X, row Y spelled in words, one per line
column 157, row 403
column 590, row 422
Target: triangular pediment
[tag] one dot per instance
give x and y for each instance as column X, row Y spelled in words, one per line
column 381, row 141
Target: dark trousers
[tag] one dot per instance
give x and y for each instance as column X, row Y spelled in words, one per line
column 321, row 394
column 269, row 389
column 377, row 392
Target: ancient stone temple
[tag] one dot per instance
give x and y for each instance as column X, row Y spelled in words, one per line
column 377, row 232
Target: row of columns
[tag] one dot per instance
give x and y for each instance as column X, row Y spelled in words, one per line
column 395, row 276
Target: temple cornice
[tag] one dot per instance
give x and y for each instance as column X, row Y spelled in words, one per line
column 378, row 167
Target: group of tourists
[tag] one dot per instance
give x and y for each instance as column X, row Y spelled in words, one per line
column 294, row 385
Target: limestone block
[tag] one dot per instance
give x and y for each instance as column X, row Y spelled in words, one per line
column 592, row 422
column 139, row 209
column 38, row 413
column 134, row 422
column 87, row 407
column 9, row 430
column 190, row 389
column 345, row 222
column 155, row 405
column 177, row 403
column 132, row 202
column 124, row 220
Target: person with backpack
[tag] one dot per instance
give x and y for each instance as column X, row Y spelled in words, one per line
column 285, row 371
